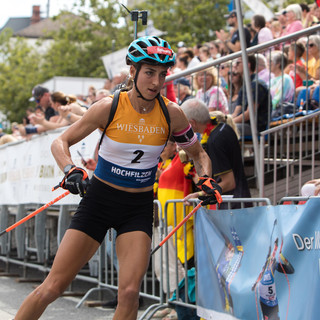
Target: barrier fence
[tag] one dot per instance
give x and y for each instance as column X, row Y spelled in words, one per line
column 286, row 150
column 206, row 283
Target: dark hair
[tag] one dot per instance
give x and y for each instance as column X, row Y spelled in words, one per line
column 304, row 7
column 205, row 49
column 252, row 61
column 259, row 21
column 189, row 52
column 300, row 48
column 184, row 59
column 61, row 98
column 38, row 108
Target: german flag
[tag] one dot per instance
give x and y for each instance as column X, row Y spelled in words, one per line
column 174, row 184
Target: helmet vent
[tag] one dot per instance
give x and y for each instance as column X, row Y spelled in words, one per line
column 150, row 50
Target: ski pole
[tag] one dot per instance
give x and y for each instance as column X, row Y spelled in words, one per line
column 18, row 223
column 174, row 230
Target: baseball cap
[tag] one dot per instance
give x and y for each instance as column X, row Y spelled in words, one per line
column 231, row 14
column 182, row 81
column 37, row 92
column 281, row 12
column 181, row 44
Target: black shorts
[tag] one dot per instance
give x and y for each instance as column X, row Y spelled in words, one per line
column 104, row 207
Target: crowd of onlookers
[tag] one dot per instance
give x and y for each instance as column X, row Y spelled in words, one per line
column 57, row 109
column 286, row 75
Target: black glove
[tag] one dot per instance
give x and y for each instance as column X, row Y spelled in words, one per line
column 76, row 181
column 212, row 190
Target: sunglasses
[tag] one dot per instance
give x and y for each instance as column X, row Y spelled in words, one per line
column 311, row 45
column 38, row 98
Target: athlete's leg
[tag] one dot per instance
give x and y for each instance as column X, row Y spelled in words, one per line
column 75, row 250
column 133, row 251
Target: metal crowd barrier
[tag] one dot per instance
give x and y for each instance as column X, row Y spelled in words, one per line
column 35, row 238
column 35, row 242
column 295, row 200
column 164, row 299
column 291, row 157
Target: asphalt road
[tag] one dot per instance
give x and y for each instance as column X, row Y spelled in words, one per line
column 13, row 292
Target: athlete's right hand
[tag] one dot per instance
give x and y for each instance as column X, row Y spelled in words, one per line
column 211, row 189
column 76, row 181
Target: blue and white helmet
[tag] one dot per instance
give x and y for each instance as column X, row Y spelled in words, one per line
column 150, row 50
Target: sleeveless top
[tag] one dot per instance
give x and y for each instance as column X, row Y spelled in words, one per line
column 130, row 151
column 267, row 289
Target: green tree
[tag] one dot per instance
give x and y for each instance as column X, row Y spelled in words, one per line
column 286, row 3
column 19, row 71
column 76, row 50
column 84, row 38
column 191, row 21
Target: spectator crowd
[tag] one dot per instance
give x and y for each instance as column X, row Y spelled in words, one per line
column 288, row 73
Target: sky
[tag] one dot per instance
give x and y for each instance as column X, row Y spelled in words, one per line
column 23, row 8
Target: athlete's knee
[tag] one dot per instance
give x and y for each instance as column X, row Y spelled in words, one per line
column 129, row 295
column 49, row 291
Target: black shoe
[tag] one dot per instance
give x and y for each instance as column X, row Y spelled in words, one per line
column 114, row 302
column 111, row 304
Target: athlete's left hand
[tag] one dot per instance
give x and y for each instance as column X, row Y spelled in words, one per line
column 212, row 191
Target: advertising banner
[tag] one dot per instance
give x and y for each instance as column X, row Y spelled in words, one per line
column 259, row 263
column 28, row 171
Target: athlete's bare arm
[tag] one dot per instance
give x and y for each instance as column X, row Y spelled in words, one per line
column 195, row 152
column 95, row 117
